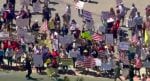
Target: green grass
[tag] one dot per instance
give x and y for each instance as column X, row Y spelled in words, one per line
column 20, row 76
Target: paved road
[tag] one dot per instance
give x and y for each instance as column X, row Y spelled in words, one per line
column 102, row 5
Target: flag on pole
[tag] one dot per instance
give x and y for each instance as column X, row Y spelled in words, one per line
column 44, row 27
column 97, row 37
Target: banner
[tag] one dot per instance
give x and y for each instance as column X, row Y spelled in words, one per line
column 80, row 5
column 109, row 38
column 124, row 45
column 4, row 35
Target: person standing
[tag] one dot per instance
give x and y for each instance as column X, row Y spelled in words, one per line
column 46, row 13
column 37, row 59
column 138, row 64
column 28, row 67
column 1, row 56
column 67, row 15
column 117, row 71
column 138, row 20
column 131, row 72
column 74, row 53
column 13, row 2
column 133, row 11
column 9, row 54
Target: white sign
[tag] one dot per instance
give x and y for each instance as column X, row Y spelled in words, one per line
column 124, row 45
column 22, row 22
column 109, row 38
column 21, row 32
column 4, row 35
column 29, row 38
column 80, row 5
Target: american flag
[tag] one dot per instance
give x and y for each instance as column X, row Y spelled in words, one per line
column 44, row 27
column 97, row 37
column 89, row 62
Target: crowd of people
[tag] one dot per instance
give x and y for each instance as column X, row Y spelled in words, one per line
column 87, row 50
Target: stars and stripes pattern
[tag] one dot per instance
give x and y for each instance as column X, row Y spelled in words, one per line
column 97, row 37
column 44, row 27
column 88, row 62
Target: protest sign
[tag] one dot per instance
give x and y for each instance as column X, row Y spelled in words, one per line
column 80, row 5
column 29, row 38
column 4, row 35
column 109, row 38
column 22, row 22
column 118, row 2
column 124, row 45
column 21, row 32
column 61, row 40
column 66, row 39
column 87, row 15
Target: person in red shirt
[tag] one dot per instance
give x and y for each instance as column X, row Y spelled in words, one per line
column 5, row 45
column 14, row 45
column 55, row 53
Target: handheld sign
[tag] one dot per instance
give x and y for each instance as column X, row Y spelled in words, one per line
column 80, row 5
column 87, row 15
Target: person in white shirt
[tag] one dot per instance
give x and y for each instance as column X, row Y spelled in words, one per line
column 138, row 20
column 74, row 53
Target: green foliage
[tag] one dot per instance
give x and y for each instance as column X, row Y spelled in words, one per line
column 66, row 78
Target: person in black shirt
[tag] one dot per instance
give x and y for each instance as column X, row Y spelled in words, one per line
column 28, row 67
column 46, row 13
